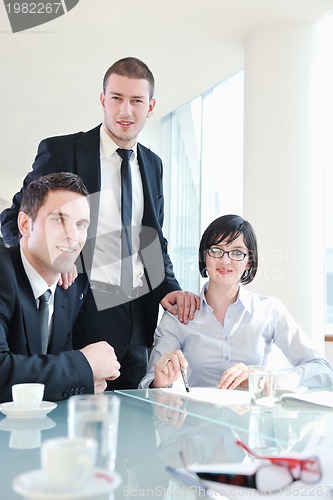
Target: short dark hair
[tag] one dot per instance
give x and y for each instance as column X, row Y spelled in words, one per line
column 229, row 227
column 36, row 192
column 132, row 68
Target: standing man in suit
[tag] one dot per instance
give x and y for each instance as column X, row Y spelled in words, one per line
column 53, row 223
column 126, row 319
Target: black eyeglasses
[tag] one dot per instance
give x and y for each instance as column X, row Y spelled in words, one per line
column 267, row 479
column 217, row 253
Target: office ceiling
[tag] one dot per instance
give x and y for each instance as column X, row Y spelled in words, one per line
column 51, row 74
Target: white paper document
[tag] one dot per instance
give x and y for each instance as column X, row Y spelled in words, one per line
column 219, row 397
column 320, row 398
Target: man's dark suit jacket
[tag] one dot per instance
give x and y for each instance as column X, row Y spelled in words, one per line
column 63, row 371
column 80, row 153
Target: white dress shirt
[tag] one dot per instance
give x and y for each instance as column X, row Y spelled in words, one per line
column 252, row 325
column 107, row 254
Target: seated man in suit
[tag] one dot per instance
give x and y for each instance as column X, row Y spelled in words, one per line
column 53, row 222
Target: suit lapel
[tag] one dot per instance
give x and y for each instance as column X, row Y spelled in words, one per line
column 89, row 169
column 60, row 326
column 28, row 304
column 31, row 323
column 147, row 175
column 88, row 163
column 88, row 159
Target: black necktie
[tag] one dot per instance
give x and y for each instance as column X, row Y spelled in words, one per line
column 44, row 319
column 126, row 280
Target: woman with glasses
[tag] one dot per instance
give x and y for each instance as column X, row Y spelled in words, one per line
column 234, row 327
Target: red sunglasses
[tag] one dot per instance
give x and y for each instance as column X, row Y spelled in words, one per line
column 306, row 469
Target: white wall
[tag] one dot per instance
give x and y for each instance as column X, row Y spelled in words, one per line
column 283, row 185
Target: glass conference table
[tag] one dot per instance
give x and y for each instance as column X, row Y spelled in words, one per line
column 154, row 427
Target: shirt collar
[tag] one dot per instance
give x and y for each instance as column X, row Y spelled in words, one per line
column 108, row 146
column 38, row 285
column 244, row 297
column 202, row 294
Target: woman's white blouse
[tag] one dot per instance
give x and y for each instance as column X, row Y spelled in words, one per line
column 252, row 325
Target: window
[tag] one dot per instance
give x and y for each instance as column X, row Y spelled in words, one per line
column 203, row 155
column 323, row 126
column 182, row 177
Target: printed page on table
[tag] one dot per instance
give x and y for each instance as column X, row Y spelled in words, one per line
column 319, row 398
column 219, row 397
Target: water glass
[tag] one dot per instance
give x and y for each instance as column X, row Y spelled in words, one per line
column 262, row 431
column 96, row 416
column 262, row 385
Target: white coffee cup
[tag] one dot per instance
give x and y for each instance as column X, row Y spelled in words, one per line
column 27, row 396
column 286, row 379
column 68, row 464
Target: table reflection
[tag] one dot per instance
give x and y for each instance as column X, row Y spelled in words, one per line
column 26, row 434
column 211, row 439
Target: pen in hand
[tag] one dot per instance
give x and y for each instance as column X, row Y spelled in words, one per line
column 187, row 387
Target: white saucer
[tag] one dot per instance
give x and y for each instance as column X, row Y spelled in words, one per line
column 33, row 485
column 10, row 410
column 296, row 390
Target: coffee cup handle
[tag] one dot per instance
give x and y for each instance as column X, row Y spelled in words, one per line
column 86, row 472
